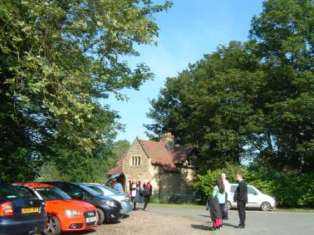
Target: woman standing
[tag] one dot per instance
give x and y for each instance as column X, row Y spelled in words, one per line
column 133, row 195
column 225, row 214
column 220, row 195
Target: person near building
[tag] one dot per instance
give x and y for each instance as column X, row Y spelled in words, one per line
column 147, row 193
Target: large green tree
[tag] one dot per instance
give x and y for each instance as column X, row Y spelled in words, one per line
column 213, row 105
column 58, row 59
column 254, row 99
column 284, row 38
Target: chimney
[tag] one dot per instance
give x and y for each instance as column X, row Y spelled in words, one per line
column 168, row 139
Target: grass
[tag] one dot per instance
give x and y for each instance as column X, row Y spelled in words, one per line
column 308, row 210
column 195, row 206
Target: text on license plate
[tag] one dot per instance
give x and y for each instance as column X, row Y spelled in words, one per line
column 30, row 210
column 91, row 219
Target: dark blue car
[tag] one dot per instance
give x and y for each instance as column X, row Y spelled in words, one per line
column 20, row 211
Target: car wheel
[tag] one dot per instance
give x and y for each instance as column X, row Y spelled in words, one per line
column 229, row 205
column 100, row 216
column 53, row 226
column 266, row 206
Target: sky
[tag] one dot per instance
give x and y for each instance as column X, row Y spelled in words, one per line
column 187, row 31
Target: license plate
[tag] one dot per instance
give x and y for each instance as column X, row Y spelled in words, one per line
column 91, row 219
column 31, row 210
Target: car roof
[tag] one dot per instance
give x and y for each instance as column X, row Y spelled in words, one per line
column 35, row 185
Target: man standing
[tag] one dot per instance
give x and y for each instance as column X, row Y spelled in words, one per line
column 117, row 186
column 240, row 196
column 148, row 190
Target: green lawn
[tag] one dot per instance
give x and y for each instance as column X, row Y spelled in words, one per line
column 194, row 206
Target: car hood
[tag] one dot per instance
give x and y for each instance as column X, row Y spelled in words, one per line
column 119, row 197
column 103, row 197
column 71, row 204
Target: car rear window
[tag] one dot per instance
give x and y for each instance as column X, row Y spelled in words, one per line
column 52, row 193
column 12, row 192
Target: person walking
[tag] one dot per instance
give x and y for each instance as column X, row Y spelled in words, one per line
column 220, row 194
column 133, row 194
column 214, row 211
column 226, row 183
column 138, row 198
column 240, row 196
column 148, row 190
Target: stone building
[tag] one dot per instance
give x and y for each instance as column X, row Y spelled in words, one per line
column 166, row 165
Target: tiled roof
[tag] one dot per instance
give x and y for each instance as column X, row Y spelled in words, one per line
column 117, row 170
column 161, row 155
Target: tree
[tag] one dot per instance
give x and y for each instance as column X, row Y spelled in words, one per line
column 253, row 99
column 58, row 60
column 284, row 38
column 213, row 105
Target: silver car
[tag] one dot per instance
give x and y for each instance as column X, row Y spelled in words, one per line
column 256, row 199
column 124, row 200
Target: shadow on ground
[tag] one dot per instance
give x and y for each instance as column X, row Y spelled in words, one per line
column 200, row 226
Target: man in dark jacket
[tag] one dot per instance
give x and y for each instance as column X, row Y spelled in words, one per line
column 240, row 196
column 148, row 190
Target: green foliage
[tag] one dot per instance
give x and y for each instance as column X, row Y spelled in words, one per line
column 59, row 61
column 205, row 183
column 290, row 189
column 213, row 105
column 251, row 100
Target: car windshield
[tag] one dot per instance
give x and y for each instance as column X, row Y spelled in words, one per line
column 104, row 190
column 90, row 191
column 52, row 193
column 12, row 192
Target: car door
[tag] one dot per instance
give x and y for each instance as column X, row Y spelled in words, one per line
column 253, row 197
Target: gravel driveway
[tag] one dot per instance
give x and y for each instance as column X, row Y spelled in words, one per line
column 174, row 221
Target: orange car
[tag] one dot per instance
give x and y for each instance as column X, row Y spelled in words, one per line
column 64, row 214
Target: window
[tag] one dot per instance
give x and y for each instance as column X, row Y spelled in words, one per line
column 233, row 188
column 136, row 161
column 251, row 191
column 52, row 193
column 8, row 192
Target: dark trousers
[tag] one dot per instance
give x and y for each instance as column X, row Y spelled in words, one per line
column 223, row 210
column 146, row 201
column 241, row 210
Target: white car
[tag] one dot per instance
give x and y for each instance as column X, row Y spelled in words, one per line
column 256, row 199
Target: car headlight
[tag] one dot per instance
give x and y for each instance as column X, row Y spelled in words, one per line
column 110, row 203
column 72, row 213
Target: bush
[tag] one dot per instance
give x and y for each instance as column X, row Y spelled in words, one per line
column 291, row 189
column 204, row 183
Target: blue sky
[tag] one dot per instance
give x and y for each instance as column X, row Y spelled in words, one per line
column 190, row 29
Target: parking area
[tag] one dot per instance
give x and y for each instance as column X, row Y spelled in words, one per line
column 192, row 221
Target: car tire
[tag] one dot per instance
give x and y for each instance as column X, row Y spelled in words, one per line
column 100, row 216
column 266, row 206
column 53, row 226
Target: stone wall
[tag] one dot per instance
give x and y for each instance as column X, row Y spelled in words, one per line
column 163, row 182
column 140, row 173
column 174, row 183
